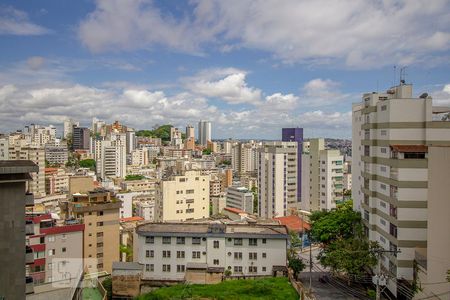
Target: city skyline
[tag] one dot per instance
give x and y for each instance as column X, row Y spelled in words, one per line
column 177, row 63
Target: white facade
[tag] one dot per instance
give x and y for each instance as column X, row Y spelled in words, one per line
column 111, row 159
column 391, row 132
column 244, row 157
column 183, row 197
column 277, row 179
column 68, row 128
column 146, row 209
column 126, row 210
column 4, row 148
column 240, row 198
column 166, row 250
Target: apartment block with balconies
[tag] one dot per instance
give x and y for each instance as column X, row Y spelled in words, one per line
column 391, row 135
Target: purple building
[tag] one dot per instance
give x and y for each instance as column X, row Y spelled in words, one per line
column 296, row 135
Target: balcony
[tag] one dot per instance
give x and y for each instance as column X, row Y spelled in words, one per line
column 29, row 227
column 421, row 257
column 29, row 199
column 29, row 256
column 29, row 286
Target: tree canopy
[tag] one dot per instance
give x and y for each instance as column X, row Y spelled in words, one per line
column 88, row 163
column 162, row 132
column 134, row 177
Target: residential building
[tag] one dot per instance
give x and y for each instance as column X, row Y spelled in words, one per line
column 56, row 181
column 13, row 178
column 175, row 137
column 143, row 185
column 183, row 197
column 212, row 146
column 204, row 132
column 190, row 132
column 295, row 135
column 40, row 135
column 99, row 212
column 4, row 147
column 58, row 249
column 240, row 197
column 111, row 158
column 178, row 251
column 243, row 157
column 218, row 203
column 277, row 179
column 56, row 155
column 146, row 209
column 311, row 175
column 81, row 138
column 331, row 179
column 189, row 143
column 139, row 157
column 69, row 124
column 390, row 166
column 130, row 140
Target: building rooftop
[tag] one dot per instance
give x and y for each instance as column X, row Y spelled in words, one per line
column 17, row 166
column 294, row 223
column 119, row 265
column 131, row 219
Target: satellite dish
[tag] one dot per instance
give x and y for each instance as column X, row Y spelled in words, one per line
column 424, row 96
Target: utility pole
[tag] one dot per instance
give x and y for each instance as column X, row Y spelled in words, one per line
column 310, row 263
column 379, row 279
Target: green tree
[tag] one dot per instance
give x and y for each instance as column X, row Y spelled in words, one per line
column 88, row 163
column 107, row 284
column 344, row 248
column 206, row 151
column 134, row 177
column 226, row 162
column 255, row 199
column 128, row 251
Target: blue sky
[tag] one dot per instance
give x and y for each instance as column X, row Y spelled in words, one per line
column 251, row 67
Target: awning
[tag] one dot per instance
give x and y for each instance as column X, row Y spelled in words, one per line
column 410, row 148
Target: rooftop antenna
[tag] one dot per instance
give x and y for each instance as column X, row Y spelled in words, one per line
column 403, row 75
column 395, row 75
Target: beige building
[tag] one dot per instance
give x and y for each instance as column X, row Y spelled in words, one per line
column 331, row 179
column 193, row 251
column 99, row 212
column 390, row 174
column 183, row 197
column 277, row 179
column 139, row 157
column 56, row 181
column 144, row 185
column 244, row 157
column 311, row 175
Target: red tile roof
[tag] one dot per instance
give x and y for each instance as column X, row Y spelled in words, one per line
column 38, row 247
column 234, row 210
column 293, row 223
column 410, row 148
column 131, row 219
column 38, row 219
column 63, row 229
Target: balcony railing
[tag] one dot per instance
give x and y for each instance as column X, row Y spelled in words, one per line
column 29, row 286
column 29, row 256
column 29, row 199
column 29, row 227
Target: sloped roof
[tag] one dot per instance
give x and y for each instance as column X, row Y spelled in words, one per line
column 294, row 223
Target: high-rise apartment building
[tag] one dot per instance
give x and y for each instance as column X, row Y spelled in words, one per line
column 295, row 135
column 99, row 212
column 80, row 138
column 240, row 197
column 131, row 140
column 243, row 157
column 68, row 128
column 331, row 179
column 4, row 147
column 277, row 179
column 204, row 132
column 111, row 158
column 183, row 197
column 14, row 175
column 390, row 173
column 40, row 135
column 190, row 132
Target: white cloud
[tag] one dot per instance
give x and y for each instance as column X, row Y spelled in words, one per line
column 227, row 84
column 324, row 92
column 441, row 96
column 357, row 33
column 16, row 22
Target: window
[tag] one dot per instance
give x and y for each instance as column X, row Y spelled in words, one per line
column 51, row 252
column 252, row 255
column 63, row 249
column 264, row 255
column 366, row 215
column 237, row 255
column 196, row 241
column 264, row 269
column 99, row 266
column 147, row 253
column 166, row 254
column 189, row 210
column 216, row 244
column 195, row 254
column 253, row 269
column 42, row 240
column 189, row 191
column 180, row 268
column 383, row 168
column 166, row 240
column 215, row 261
column 383, row 150
column 99, row 234
column 393, row 230
column 383, row 186
column 180, row 254
column 263, row 241
column 51, row 239
column 238, row 242
column 393, row 210
column 383, row 133
column 99, row 223
column 150, row 240
column 50, row 266
column 166, row 268
column 253, row 242
column 100, row 213
column 383, row 222
column 383, row 107
column 237, row 269
column 181, row 240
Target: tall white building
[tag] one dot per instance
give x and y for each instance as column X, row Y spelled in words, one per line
column 243, row 157
column 201, row 252
column 131, row 140
column 183, row 197
column 41, row 135
column 111, row 158
column 204, row 132
column 4, row 147
column 277, row 179
column 68, row 127
column 391, row 135
column 190, row 132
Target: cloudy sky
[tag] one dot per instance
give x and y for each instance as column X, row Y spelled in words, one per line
column 251, row 67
